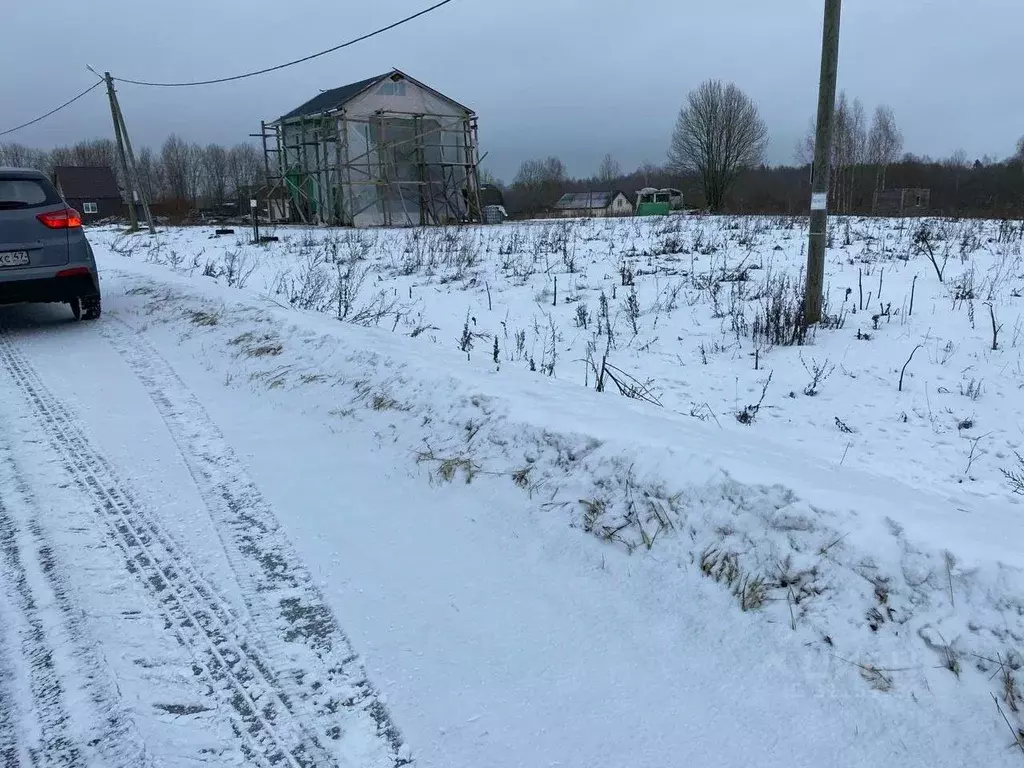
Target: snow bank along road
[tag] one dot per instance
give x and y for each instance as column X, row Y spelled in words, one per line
column 201, row 494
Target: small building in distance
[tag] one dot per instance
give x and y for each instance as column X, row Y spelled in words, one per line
column 655, row 202
column 492, row 203
column 593, row 204
column 908, row 201
column 90, row 190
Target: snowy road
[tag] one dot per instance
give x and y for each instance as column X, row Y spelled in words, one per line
column 220, row 544
column 252, row 656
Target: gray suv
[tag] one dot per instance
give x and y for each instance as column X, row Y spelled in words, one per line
column 44, row 255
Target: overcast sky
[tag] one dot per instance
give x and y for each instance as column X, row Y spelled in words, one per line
column 574, row 78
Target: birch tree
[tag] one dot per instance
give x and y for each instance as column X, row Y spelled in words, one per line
column 885, row 142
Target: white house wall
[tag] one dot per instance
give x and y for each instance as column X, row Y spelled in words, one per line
column 360, row 196
column 621, row 206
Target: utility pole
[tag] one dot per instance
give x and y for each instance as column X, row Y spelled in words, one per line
column 818, row 236
column 125, row 173
column 128, row 160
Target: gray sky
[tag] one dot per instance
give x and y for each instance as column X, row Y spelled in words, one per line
column 574, row 78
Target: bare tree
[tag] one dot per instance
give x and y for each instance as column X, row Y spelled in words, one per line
column 488, row 178
column 16, row 155
column 151, row 174
column 647, row 170
column 1020, row 148
column 554, row 170
column 245, row 170
column 849, row 150
column 885, row 142
column 194, row 153
column 535, row 173
column 214, row 169
column 537, row 182
column 174, row 156
column 718, row 133
column 61, row 156
column 803, row 152
column 181, row 168
column 95, row 152
column 609, row 170
column 956, row 160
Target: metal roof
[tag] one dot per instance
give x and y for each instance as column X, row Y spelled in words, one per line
column 585, row 200
column 93, row 181
column 334, row 98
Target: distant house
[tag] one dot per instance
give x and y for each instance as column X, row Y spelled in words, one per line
column 593, row 204
column 491, row 195
column 902, row 202
column 90, row 190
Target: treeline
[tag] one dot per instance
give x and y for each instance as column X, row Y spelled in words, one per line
column 178, row 177
column 958, row 187
column 716, row 158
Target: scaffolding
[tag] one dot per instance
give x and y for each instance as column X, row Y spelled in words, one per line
column 389, row 168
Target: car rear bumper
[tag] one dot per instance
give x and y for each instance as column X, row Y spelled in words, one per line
column 51, row 289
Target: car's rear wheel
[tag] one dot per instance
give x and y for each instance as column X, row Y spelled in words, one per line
column 91, row 307
column 76, row 308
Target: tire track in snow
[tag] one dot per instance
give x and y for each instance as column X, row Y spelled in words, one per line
column 8, row 732
column 328, row 685
column 55, row 746
column 224, row 656
column 30, row 577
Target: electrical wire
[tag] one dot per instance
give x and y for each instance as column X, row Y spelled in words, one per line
column 53, row 111
column 359, row 39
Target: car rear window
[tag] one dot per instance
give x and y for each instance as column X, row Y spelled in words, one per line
column 26, row 193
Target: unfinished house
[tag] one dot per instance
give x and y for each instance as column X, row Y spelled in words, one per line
column 385, row 151
column 901, row 202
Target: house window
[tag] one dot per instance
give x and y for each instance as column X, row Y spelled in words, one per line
column 90, row 208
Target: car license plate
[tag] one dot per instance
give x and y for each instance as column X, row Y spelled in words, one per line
column 13, row 258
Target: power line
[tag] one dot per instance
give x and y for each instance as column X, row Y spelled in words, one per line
column 359, row 39
column 68, row 103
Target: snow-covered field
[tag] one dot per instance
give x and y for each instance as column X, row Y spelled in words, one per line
column 236, row 530
column 696, row 314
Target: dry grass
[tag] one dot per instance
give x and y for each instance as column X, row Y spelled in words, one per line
column 751, row 590
column 251, row 345
column 876, row 677
column 383, row 402
column 521, row 477
column 198, row 317
column 448, row 467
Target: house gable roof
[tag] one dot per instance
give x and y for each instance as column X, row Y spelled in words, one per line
column 587, row 200
column 90, row 182
column 335, row 98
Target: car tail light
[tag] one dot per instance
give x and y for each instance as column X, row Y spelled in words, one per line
column 68, row 218
column 73, row 272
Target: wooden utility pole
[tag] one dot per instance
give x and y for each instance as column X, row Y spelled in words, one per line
column 128, row 159
column 125, row 173
column 818, row 236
